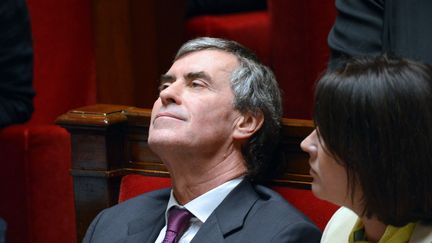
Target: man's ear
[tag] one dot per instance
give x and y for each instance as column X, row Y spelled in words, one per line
column 247, row 124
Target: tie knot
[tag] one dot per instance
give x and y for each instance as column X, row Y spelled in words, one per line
column 178, row 219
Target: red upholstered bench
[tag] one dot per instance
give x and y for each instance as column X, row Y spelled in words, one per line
column 317, row 210
column 35, row 158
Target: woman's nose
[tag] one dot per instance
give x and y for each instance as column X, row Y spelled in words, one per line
column 309, row 144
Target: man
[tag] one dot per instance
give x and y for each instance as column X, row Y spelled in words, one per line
column 215, row 126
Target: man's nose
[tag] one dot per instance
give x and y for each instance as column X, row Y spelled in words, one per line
column 171, row 94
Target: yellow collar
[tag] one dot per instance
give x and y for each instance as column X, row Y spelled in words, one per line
column 392, row 234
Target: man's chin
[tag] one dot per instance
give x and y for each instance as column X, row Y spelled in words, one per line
column 163, row 141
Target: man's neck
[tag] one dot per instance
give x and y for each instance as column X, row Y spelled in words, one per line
column 192, row 178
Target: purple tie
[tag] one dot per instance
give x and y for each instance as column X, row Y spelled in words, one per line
column 178, row 220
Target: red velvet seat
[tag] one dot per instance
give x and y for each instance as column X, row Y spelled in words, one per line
column 37, row 201
column 290, row 37
column 317, row 210
column 35, row 184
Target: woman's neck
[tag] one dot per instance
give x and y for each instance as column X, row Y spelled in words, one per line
column 374, row 229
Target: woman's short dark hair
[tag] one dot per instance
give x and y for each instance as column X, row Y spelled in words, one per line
column 374, row 115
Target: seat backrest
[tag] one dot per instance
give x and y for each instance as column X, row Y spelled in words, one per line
column 299, row 52
column 64, row 63
column 241, row 27
column 290, row 37
column 134, row 185
column 317, row 210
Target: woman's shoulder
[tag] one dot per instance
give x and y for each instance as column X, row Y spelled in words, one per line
column 422, row 233
column 339, row 226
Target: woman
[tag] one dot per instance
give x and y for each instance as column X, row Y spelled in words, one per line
column 371, row 151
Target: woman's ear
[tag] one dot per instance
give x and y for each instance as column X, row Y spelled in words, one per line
column 247, row 124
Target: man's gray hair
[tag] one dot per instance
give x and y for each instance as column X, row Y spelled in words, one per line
column 255, row 91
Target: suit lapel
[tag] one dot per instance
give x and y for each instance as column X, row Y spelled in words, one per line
column 229, row 216
column 209, row 232
column 145, row 230
column 147, row 225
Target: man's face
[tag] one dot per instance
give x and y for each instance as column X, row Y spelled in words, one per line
column 195, row 105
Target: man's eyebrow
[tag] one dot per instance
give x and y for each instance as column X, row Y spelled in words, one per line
column 164, row 78
column 197, row 75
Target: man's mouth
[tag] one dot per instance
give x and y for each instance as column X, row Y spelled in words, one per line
column 169, row 115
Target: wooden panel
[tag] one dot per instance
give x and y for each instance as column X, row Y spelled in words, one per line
column 111, row 24
column 135, row 42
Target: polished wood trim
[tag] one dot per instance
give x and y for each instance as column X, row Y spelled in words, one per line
column 95, row 115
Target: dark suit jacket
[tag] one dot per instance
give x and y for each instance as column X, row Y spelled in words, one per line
column 16, row 63
column 203, row 7
column 248, row 214
column 374, row 27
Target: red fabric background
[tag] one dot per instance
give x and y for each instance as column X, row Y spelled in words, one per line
column 38, row 201
column 290, row 37
column 317, row 210
column 134, row 185
column 36, row 188
column 299, row 52
column 252, row 29
column 64, row 62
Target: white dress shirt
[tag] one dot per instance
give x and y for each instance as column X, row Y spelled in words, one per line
column 201, row 207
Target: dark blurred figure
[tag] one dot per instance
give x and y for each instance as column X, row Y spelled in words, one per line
column 201, row 7
column 16, row 68
column 2, row 231
column 373, row 27
column 16, row 63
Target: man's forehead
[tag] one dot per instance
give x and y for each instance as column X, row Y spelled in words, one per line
column 216, row 56
column 205, row 61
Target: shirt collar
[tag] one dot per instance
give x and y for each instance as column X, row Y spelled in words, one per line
column 203, row 206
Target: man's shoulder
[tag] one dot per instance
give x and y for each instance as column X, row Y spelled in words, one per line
column 158, row 198
column 340, row 225
column 139, row 212
column 271, row 218
column 274, row 206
